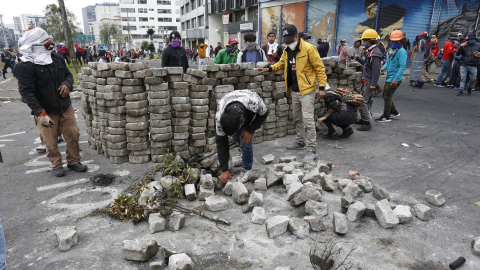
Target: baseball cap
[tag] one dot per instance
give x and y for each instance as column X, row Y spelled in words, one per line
column 175, row 34
column 459, row 34
column 304, row 34
column 271, row 32
column 289, row 32
column 471, row 36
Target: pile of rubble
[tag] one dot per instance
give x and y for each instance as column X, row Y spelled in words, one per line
column 135, row 113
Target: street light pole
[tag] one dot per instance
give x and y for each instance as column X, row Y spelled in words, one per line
column 4, row 33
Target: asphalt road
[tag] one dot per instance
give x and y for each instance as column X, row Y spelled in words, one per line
column 33, row 203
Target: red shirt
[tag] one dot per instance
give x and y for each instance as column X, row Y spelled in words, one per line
column 435, row 51
column 448, row 51
column 187, row 50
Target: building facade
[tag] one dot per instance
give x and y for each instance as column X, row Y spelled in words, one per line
column 137, row 16
column 194, row 22
column 28, row 20
column 12, row 41
column 105, row 13
column 88, row 15
column 17, row 27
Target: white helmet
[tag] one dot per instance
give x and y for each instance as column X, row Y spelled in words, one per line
column 61, row 44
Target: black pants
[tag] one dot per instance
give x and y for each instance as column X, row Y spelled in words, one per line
column 342, row 119
column 455, row 74
column 7, row 65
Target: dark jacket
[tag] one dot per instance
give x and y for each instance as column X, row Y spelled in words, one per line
column 327, row 47
column 321, row 50
column 372, row 65
column 175, row 57
column 468, row 58
column 38, row 85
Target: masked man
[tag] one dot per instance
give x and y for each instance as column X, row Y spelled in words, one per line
column 45, row 83
column 251, row 53
column 174, row 55
column 469, row 52
column 272, row 49
column 302, row 67
column 229, row 54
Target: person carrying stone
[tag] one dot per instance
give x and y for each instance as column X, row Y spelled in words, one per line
column 239, row 114
column 302, row 67
column 251, row 53
column 44, row 82
column 174, row 55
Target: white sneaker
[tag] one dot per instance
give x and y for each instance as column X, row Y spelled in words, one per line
column 41, row 149
column 244, row 175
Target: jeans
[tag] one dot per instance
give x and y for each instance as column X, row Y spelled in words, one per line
column 471, row 72
column 247, row 151
column 367, row 100
column 303, row 114
column 388, row 92
column 444, row 72
column 201, row 62
column 3, row 248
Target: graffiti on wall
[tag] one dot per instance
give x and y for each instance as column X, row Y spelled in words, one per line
column 270, row 22
column 321, row 21
column 294, row 14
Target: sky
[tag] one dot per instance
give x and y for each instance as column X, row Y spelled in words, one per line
column 36, row 7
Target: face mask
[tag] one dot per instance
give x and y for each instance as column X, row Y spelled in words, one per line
column 250, row 46
column 49, row 45
column 176, row 43
column 293, row 45
column 472, row 41
column 366, row 46
column 395, row 45
column 231, row 48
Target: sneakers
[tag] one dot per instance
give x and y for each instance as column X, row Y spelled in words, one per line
column 59, row 172
column 359, row 122
column 383, row 119
column 297, row 146
column 346, row 133
column 441, row 85
column 419, row 84
column 41, row 149
column 469, row 91
column 60, row 139
column 393, row 115
column 78, row 167
column 365, row 127
column 311, row 155
column 331, row 136
column 460, row 92
column 244, row 175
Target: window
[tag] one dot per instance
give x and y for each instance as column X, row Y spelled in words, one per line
column 177, row 11
column 163, row 2
column 186, row 8
column 194, row 23
column 129, row 19
column 201, row 19
column 164, row 11
column 142, row 10
column 183, row 26
column 177, row 19
column 161, row 19
column 143, row 19
column 193, row 4
column 131, row 28
column 243, row 3
column 141, row 1
column 151, row 18
column 129, row 10
column 182, row 10
column 177, row 3
column 127, row 2
column 200, row 3
column 151, row 9
column 188, row 24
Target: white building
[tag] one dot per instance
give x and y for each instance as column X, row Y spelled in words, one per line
column 18, row 31
column 88, row 15
column 163, row 16
column 105, row 13
column 194, row 23
column 28, row 20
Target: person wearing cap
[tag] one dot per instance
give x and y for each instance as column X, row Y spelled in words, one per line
column 229, row 54
column 460, row 38
column 302, row 67
column 341, row 51
column 470, row 53
column 251, row 53
column 239, row 114
column 395, row 67
column 305, row 36
column 44, row 82
column 406, row 42
column 321, row 48
column 174, row 55
column 78, row 53
column 447, row 58
column 272, row 49
column 63, row 51
column 7, row 57
column 371, row 74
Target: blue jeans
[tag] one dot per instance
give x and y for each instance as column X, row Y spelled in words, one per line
column 247, row 151
column 3, row 249
column 444, row 72
column 471, row 72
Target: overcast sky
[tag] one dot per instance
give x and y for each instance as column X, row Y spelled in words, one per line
column 37, row 6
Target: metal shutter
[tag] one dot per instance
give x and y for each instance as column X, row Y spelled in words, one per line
column 321, row 21
column 294, row 14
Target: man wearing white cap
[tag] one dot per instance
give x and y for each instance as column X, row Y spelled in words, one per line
column 45, row 83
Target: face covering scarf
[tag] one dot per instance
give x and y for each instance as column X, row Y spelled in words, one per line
column 472, row 41
column 252, row 46
column 395, row 45
column 175, row 43
column 231, row 49
column 293, row 45
column 33, row 50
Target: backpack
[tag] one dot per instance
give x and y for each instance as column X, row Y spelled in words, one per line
column 348, row 96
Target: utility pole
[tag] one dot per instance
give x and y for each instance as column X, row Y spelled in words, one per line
column 68, row 35
column 4, row 33
column 129, row 33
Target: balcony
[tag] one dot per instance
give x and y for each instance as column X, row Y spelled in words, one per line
column 195, row 33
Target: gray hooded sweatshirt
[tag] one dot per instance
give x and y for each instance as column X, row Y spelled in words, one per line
column 372, row 66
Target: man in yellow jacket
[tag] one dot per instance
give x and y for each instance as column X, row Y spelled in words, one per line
column 302, row 65
column 202, row 49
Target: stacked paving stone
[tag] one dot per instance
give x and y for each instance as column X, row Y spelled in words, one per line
column 160, row 114
column 135, row 113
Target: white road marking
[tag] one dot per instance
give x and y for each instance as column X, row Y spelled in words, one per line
column 2, row 145
column 34, row 150
column 37, row 140
column 91, row 168
column 7, row 140
column 63, row 184
column 13, row 134
column 121, row 173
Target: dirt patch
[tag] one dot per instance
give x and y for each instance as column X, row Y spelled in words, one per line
column 218, row 261
column 424, row 265
column 102, row 180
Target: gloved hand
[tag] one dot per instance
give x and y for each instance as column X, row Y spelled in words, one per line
column 44, row 120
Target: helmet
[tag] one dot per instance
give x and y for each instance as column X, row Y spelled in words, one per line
column 232, row 40
column 424, row 34
column 396, row 35
column 369, row 34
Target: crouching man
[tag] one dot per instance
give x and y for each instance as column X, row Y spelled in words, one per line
column 45, row 83
column 239, row 114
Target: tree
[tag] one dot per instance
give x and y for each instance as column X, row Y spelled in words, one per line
column 150, row 32
column 144, row 45
column 68, row 33
column 151, row 47
column 54, row 23
column 107, row 31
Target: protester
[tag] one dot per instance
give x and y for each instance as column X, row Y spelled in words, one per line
column 229, row 54
column 202, row 53
column 218, row 48
column 470, row 53
column 63, row 51
column 454, row 78
column 395, row 67
column 45, row 82
column 211, row 51
column 174, row 55
column 327, row 46
column 358, row 50
column 321, row 48
column 272, row 49
column 302, row 65
column 102, row 54
column 239, row 114
column 405, row 42
column 339, row 113
column 447, row 58
column 421, row 48
column 187, row 52
column 86, row 54
column 133, row 56
column 305, row 36
column 371, row 74
column 251, row 52
column 7, row 60
column 341, row 51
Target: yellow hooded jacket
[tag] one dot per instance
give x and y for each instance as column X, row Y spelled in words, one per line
column 309, row 66
column 201, row 50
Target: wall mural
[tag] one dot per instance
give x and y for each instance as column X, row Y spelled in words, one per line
column 294, row 14
column 270, row 22
column 321, row 21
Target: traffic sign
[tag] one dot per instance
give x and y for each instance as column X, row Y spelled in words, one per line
column 91, row 37
column 74, row 37
column 82, row 37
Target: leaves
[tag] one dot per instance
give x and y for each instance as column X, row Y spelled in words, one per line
column 53, row 22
